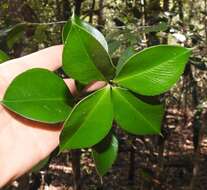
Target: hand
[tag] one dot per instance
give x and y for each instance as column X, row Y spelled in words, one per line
column 23, row 143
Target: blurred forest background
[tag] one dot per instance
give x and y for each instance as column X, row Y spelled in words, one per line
column 178, row 159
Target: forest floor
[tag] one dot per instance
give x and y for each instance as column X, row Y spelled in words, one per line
column 175, row 170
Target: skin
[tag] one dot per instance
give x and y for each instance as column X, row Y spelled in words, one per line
column 23, row 143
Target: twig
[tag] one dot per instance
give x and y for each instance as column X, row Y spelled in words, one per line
column 43, row 23
column 197, row 154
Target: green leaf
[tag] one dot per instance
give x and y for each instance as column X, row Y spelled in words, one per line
column 135, row 116
column 90, row 29
column 3, row 56
column 84, row 57
column 89, row 122
column 40, row 95
column 153, row 70
column 124, row 57
column 105, row 153
column 15, row 34
column 66, row 30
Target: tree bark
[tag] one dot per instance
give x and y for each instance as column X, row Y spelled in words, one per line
column 153, row 11
column 165, row 5
column 78, row 4
column 205, row 18
column 191, row 10
column 92, row 11
column 165, row 9
column 197, row 155
column 76, row 154
column 180, row 9
column 132, row 156
column 66, row 9
column 101, row 20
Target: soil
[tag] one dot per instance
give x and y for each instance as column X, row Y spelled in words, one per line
column 172, row 164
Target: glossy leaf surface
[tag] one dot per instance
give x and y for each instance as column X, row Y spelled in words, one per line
column 153, row 70
column 86, row 26
column 89, row 122
column 40, row 95
column 66, row 30
column 104, row 154
column 135, row 116
column 84, row 57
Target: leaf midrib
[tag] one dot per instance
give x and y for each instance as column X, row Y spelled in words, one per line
column 147, row 70
column 87, row 53
column 86, row 118
column 139, row 113
column 34, row 100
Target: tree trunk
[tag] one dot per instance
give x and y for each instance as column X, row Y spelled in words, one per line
column 153, row 11
column 166, row 5
column 165, row 9
column 191, row 9
column 76, row 154
column 92, row 11
column 66, row 9
column 131, row 173
column 205, row 18
column 78, row 7
column 202, row 115
column 101, row 20
column 180, row 9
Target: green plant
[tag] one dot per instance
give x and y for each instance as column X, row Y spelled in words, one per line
column 3, row 57
column 89, row 123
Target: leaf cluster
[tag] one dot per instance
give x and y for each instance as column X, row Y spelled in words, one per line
column 40, row 95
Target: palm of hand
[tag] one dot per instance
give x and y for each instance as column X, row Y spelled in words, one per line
column 24, row 143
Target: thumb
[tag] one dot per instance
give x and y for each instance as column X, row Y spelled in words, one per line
column 49, row 58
